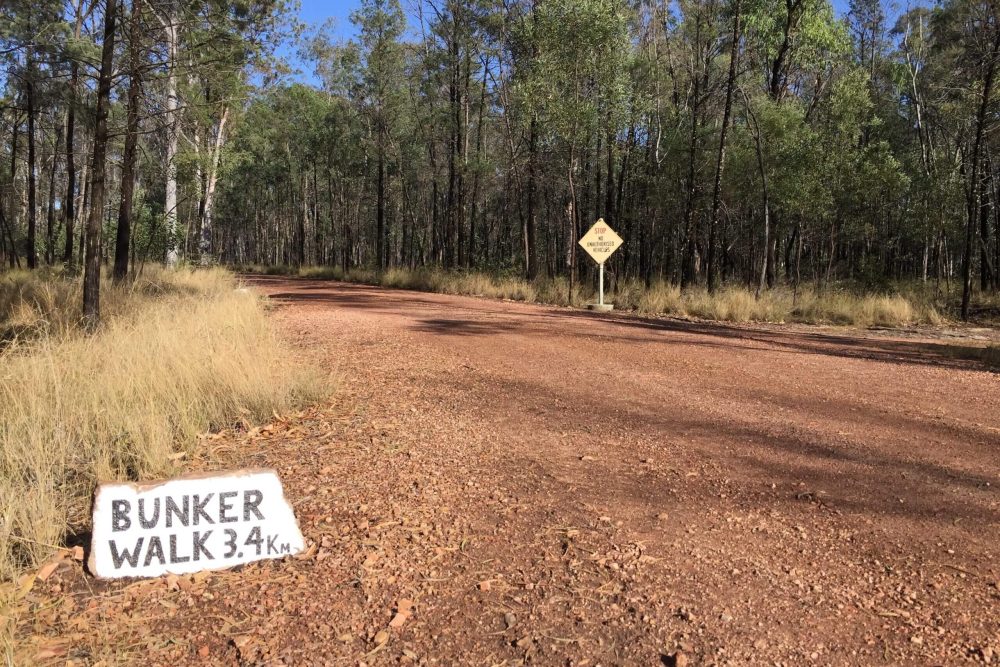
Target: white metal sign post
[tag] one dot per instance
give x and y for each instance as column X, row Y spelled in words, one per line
column 600, row 284
column 600, row 242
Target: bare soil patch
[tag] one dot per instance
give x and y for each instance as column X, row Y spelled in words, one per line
column 501, row 483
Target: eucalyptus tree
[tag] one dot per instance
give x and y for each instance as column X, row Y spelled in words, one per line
column 92, row 266
column 134, row 65
column 380, row 94
column 576, row 78
column 31, row 35
column 760, row 141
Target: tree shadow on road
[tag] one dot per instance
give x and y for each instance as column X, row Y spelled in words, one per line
column 831, row 344
column 487, row 318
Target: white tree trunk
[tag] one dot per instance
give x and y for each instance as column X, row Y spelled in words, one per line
column 170, row 27
column 205, row 244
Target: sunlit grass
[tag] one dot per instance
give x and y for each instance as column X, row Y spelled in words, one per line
column 731, row 303
column 991, row 356
column 180, row 353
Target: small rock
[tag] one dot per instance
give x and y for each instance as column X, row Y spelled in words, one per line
column 203, row 651
column 404, row 608
column 509, row 619
column 523, row 642
column 381, row 637
column 917, row 639
column 681, row 659
column 662, row 516
column 483, row 586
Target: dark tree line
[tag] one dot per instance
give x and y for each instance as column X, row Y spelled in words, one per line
column 112, row 119
column 757, row 142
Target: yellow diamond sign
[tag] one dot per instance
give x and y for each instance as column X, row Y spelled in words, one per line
column 600, row 242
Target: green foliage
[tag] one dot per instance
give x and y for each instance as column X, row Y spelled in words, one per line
column 578, row 74
column 808, row 28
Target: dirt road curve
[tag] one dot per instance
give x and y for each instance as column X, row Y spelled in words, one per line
column 551, row 487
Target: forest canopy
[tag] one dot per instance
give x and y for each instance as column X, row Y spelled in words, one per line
column 753, row 142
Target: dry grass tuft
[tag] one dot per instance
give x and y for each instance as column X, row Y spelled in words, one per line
column 661, row 298
column 908, row 306
column 991, row 356
column 119, row 404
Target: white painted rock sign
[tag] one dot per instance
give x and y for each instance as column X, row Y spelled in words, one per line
column 188, row 524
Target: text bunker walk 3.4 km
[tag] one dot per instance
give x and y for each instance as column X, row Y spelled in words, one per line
column 191, row 524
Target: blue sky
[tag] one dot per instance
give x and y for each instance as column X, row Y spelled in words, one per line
column 317, row 11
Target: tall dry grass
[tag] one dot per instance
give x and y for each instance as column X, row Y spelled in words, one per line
column 728, row 304
column 179, row 353
column 991, row 356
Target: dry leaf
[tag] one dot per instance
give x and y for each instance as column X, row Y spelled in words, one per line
column 404, row 609
column 308, row 553
column 49, row 651
column 46, row 570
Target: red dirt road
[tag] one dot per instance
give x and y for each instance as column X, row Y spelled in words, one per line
column 549, row 486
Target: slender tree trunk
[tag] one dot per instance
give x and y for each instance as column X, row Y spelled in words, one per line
column 465, row 247
column 171, row 119
column 571, row 226
column 11, row 225
column 68, row 213
column 720, row 162
column 303, row 218
column 452, row 216
column 81, row 209
column 92, row 268
column 12, row 258
column 985, row 206
column 689, row 274
column 32, row 252
column 205, row 243
column 50, row 214
column 475, row 178
column 124, row 231
column 609, row 186
column 380, row 213
column 765, row 199
column 530, row 243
